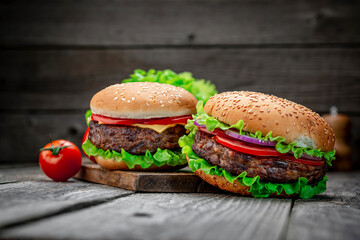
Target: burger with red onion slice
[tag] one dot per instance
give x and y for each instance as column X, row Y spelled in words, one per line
column 136, row 126
column 256, row 144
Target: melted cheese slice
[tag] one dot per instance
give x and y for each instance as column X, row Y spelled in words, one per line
column 156, row 127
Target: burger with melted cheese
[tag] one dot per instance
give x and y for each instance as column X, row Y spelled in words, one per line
column 256, row 144
column 136, row 126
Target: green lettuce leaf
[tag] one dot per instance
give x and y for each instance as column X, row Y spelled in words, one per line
column 211, row 123
column 160, row 158
column 200, row 88
column 257, row 188
column 87, row 116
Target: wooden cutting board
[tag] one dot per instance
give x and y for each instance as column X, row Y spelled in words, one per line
column 180, row 181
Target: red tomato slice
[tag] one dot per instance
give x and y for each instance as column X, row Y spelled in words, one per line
column 246, row 148
column 152, row 121
column 216, row 132
column 262, row 151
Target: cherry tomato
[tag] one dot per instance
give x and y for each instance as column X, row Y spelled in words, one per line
column 86, row 136
column 243, row 147
column 152, row 121
column 60, row 160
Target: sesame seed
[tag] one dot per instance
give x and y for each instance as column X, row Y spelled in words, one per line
column 133, row 98
column 162, row 105
column 128, row 101
column 115, row 98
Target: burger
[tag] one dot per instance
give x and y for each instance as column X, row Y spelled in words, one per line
column 136, row 126
column 202, row 89
column 261, row 145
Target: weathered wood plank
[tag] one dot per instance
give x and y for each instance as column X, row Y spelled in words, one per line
column 167, row 22
column 179, row 181
column 36, row 128
column 167, row 216
column 333, row 215
column 8, row 175
column 66, row 79
column 31, row 200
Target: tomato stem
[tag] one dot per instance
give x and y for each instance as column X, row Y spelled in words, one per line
column 54, row 150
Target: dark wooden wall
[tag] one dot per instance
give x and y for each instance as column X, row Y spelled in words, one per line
column 56, row 54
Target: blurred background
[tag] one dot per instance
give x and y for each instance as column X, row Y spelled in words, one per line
column 56, row 54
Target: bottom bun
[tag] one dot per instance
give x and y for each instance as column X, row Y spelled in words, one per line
column 235, row 187
column 112, row 164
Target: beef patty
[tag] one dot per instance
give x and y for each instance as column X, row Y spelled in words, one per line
column 270, row 169
column 133, row 140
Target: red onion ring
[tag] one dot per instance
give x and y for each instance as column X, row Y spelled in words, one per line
column 304, row 155
column 256, row 141
column 198, row 124
column 244, row 138
column 250, row 139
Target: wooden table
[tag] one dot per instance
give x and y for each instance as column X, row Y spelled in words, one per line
column 34, row 207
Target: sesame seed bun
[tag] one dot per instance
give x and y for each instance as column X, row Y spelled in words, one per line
column 265, row 113
column 235, row 187
column 143, row 100
column 113, row 164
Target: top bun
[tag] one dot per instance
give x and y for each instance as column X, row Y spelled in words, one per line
column 265, row 113
column 143, row 100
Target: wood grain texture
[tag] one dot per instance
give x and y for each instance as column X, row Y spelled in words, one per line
column 31, row 200
column 9, row 175
column 167, row 22
column 179, row 181
column 31, row 132
column 167, row 216
column 333, row 215
column 67, row 79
